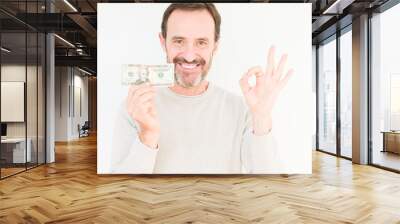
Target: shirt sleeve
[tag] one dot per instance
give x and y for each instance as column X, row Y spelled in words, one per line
column 129, row 154
column 259, row 153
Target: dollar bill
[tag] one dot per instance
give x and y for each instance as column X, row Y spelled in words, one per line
column 157, row 75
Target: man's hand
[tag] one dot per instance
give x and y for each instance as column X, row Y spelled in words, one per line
column 141, row 108
column 261, row 97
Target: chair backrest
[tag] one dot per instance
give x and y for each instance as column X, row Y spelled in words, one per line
column 86, row 124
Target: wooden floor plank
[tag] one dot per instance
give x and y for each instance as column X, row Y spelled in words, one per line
column 70, row 191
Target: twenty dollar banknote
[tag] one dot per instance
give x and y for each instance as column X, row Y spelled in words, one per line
column 157, row 75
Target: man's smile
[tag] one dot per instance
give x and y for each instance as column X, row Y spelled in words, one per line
column 189, row 66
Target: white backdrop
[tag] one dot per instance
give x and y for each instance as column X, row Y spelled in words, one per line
column 12, row 101
column 128, row 33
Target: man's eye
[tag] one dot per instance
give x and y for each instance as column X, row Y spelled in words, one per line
column 202, row 43
column 178, row 41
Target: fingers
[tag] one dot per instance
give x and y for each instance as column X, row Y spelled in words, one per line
column 270, row 61
column 144, row 89
column 282, row 62
column 149, row 96
column 277, row 73
column 140, row 97
column 134, row 88
column 285, row 79
column 152, row 110
column 141, row 91
column 257, row 71
column 147, row 105
column 244, row 81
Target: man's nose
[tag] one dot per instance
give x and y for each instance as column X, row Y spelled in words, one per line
column 189, row 53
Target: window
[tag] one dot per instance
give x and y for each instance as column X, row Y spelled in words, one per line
column 22, row 65
column 346, row 94
column 327, row 97
column 385, row 89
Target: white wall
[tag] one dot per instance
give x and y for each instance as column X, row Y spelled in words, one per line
column 244, row 43
column 67, row 116
column 61, row 103
column 80, row 83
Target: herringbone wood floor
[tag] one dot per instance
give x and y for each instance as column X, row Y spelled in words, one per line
column 70, row 191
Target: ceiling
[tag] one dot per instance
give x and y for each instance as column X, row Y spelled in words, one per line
column 76, row 22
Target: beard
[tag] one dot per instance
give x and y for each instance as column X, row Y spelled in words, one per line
column 188, row 84
column 183, row 79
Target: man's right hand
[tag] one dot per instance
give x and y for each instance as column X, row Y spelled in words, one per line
column 141, row 108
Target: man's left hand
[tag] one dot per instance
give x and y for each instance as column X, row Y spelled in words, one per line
column 261, row 97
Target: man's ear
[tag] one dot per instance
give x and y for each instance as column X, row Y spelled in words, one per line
column 215, row 47
column 162, row 41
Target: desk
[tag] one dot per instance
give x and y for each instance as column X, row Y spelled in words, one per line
column 391, row 141
column 16, row 147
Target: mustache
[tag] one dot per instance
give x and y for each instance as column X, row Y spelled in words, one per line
column 181, row 60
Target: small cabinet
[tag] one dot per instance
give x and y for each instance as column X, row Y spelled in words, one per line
column 391, row 141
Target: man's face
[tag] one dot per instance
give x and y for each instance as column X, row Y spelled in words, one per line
column 190, row 45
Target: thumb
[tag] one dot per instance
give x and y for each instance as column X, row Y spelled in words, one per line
column 244, row 83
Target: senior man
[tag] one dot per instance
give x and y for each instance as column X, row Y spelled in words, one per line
column 195, row 126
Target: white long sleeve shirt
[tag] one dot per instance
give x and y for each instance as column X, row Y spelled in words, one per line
column 209, row 133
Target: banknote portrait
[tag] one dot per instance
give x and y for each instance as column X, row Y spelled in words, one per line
column 203, row 88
